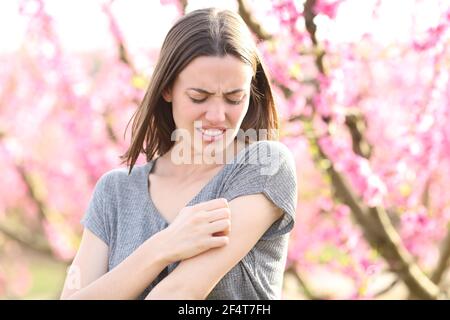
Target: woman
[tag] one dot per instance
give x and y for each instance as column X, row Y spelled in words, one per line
column 208, row 216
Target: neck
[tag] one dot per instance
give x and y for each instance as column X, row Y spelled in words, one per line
column 196, row 163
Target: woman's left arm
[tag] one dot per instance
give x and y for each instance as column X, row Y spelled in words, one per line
column 194, row 278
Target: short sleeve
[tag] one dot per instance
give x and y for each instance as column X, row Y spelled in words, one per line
column 95, row 218
column 267, row 167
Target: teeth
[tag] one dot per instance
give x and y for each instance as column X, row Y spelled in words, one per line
column 212, row 132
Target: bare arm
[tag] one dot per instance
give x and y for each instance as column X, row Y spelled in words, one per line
column 195, row 277
column 88, row 277
column 196, row 229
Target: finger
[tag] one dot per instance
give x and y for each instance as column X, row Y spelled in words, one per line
column 219, row 226
column 211, row 204
column 221, row 233
column 216, row 242
column 218, row 214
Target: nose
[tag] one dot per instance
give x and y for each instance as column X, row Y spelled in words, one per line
column 216, row 113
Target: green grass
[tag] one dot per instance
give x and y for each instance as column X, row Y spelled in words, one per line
column 47, row 278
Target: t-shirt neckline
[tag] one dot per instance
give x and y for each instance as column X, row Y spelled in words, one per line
column 149, row 166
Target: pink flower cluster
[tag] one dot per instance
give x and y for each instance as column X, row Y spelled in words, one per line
column 357, row 169
column 327, row 7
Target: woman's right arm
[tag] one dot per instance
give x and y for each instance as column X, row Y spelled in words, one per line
column 88, row 277
column 196, row 229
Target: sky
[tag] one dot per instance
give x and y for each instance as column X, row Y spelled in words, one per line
column 82, row 27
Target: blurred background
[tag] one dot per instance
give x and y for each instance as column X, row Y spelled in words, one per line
column 362, row 88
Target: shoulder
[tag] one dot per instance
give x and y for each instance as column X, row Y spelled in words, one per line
column 267, row 156
column 118, row 178
column 271, row 148
column 259, row 151
column 263, row 165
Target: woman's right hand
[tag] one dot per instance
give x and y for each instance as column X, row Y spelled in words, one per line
column 196, row 229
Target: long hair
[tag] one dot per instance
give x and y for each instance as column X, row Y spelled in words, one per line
column 204, row 32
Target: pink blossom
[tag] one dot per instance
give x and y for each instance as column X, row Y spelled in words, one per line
column 327, row 7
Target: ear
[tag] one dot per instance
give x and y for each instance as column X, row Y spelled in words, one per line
column 167, row 95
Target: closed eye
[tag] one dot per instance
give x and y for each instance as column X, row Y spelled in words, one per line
column 234, row 102
column 230, row 101
column 197, row 100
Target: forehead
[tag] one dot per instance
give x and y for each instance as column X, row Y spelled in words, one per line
column 212, row 71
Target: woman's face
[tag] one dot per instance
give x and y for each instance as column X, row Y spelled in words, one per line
column 210, row 98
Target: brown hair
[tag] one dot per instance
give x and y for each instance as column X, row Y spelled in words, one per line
column 204, row 32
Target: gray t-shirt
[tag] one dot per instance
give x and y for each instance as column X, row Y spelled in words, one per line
column 122, row 214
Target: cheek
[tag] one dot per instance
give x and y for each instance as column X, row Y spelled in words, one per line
column 185, row 111
column 238, row 114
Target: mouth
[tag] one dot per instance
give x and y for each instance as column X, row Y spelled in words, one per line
column 211, row 134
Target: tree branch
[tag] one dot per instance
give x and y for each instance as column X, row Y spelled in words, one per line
column 387, row 289
column 254, row 26
column 183, row 5
column 31, row 193
column 356, row 124
column 376, row 225
column 306, row 289
column 401, row 260
column 27, row 243
column 444, row 259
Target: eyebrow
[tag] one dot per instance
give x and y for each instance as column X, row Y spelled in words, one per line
column 211, row 93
